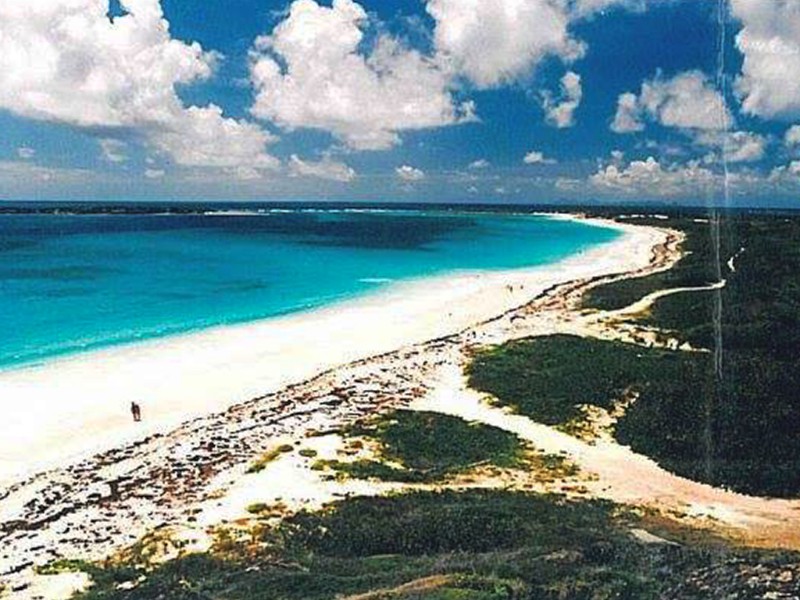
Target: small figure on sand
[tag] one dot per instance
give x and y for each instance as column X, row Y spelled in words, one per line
column 136, row 411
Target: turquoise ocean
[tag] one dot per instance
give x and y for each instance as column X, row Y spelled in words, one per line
column 79, row 277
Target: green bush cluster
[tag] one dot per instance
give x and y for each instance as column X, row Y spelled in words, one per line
column 430, row 446
column 262, row 461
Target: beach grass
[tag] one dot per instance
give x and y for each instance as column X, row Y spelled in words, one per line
column 271, row 455
column 425, row 447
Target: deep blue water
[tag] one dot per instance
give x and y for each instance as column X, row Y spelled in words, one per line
column 74, row 282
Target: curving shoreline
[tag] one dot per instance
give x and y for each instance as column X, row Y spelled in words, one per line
column 77, row 406
column 96, row 506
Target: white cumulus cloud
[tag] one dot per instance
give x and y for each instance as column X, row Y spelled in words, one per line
column 788, row 173
column 495, row 42
column 327, row 168
column 492, row 42
column 586, row 8
column 14, row 172
column 686, row 101
column 650, row 177
column 310, row 72
column 408, row 173
column 481, row 163
column 66, row 61
column 628, row 118
column 113, row 150
column 560, row 111
column 769, row 84
column 201, row 136
column 792, row 136
column 739, row 146
column 535, row 157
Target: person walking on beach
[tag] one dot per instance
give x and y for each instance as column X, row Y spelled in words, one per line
column 136, row 411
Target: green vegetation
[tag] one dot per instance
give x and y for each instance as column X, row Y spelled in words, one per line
column 696, row 268
column 476, row 545
column 424, row 447
column 736, row 427
column 669, row 420
column 753, row 415
column 258, row 465
column 484, row 545
column 257, row 508
column 64, row 565
column 538, row 378
column 761, row 301
column 425, row 523
column 548, row 378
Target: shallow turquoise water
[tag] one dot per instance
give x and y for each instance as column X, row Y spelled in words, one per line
column 73, row 282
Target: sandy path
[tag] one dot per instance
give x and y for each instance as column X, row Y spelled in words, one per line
column 624, row 476
column 646, row 303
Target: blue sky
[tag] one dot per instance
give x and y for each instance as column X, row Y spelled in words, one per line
column 590, row 101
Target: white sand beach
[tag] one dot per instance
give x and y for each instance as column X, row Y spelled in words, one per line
column 72, row 407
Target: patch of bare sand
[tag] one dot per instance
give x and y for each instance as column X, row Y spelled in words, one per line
column 59, row 586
